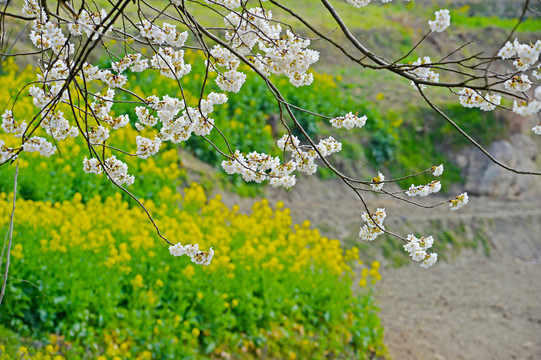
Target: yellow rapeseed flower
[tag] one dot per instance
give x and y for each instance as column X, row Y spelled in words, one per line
column 364, row 272
column 137, row 281
column 17, row 251
column 189, row 271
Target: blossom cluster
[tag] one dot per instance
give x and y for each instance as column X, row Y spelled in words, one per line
column 374, row 225
column 32, row 8
column 459, row 201
column 39, row 144
column 170, row 62
column 131, row 61
column 147, row 147
column 118, row 171
column 421, row 69
column 518, row 83
column 278, row 54
column 424, row 190
column 363, row 3
column 57, row 126
column 526, row 54
column 167, row 34
column 349, row 121
column 229, row 4
column 537, row 128
column 259, row 167
column 115, row 169
column 377, row 182
column 470, row 98
column 92, row 166
column 417, row 249
column 525, row 57
column 442, row 21
column 527, row 108
column 46, row 35
column 9, row 125
column 98, row 135
column 88, row 22
column 437, row 170
column 197, row 256
column 6, row 153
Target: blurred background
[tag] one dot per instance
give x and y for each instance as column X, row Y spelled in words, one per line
column 89, row 278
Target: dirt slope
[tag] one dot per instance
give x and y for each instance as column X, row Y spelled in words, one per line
column 480, row 309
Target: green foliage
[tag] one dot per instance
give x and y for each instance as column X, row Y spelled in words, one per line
column 63, row 177
column 426, row 141
column 484, row 127
column 528, row 25
column 393, row 251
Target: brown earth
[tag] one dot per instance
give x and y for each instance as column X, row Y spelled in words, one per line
column 480, row 309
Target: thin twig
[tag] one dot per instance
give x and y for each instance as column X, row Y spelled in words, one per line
column 10, row 238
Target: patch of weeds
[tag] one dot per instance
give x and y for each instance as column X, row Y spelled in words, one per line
column 480, row 237
column 392, row 249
